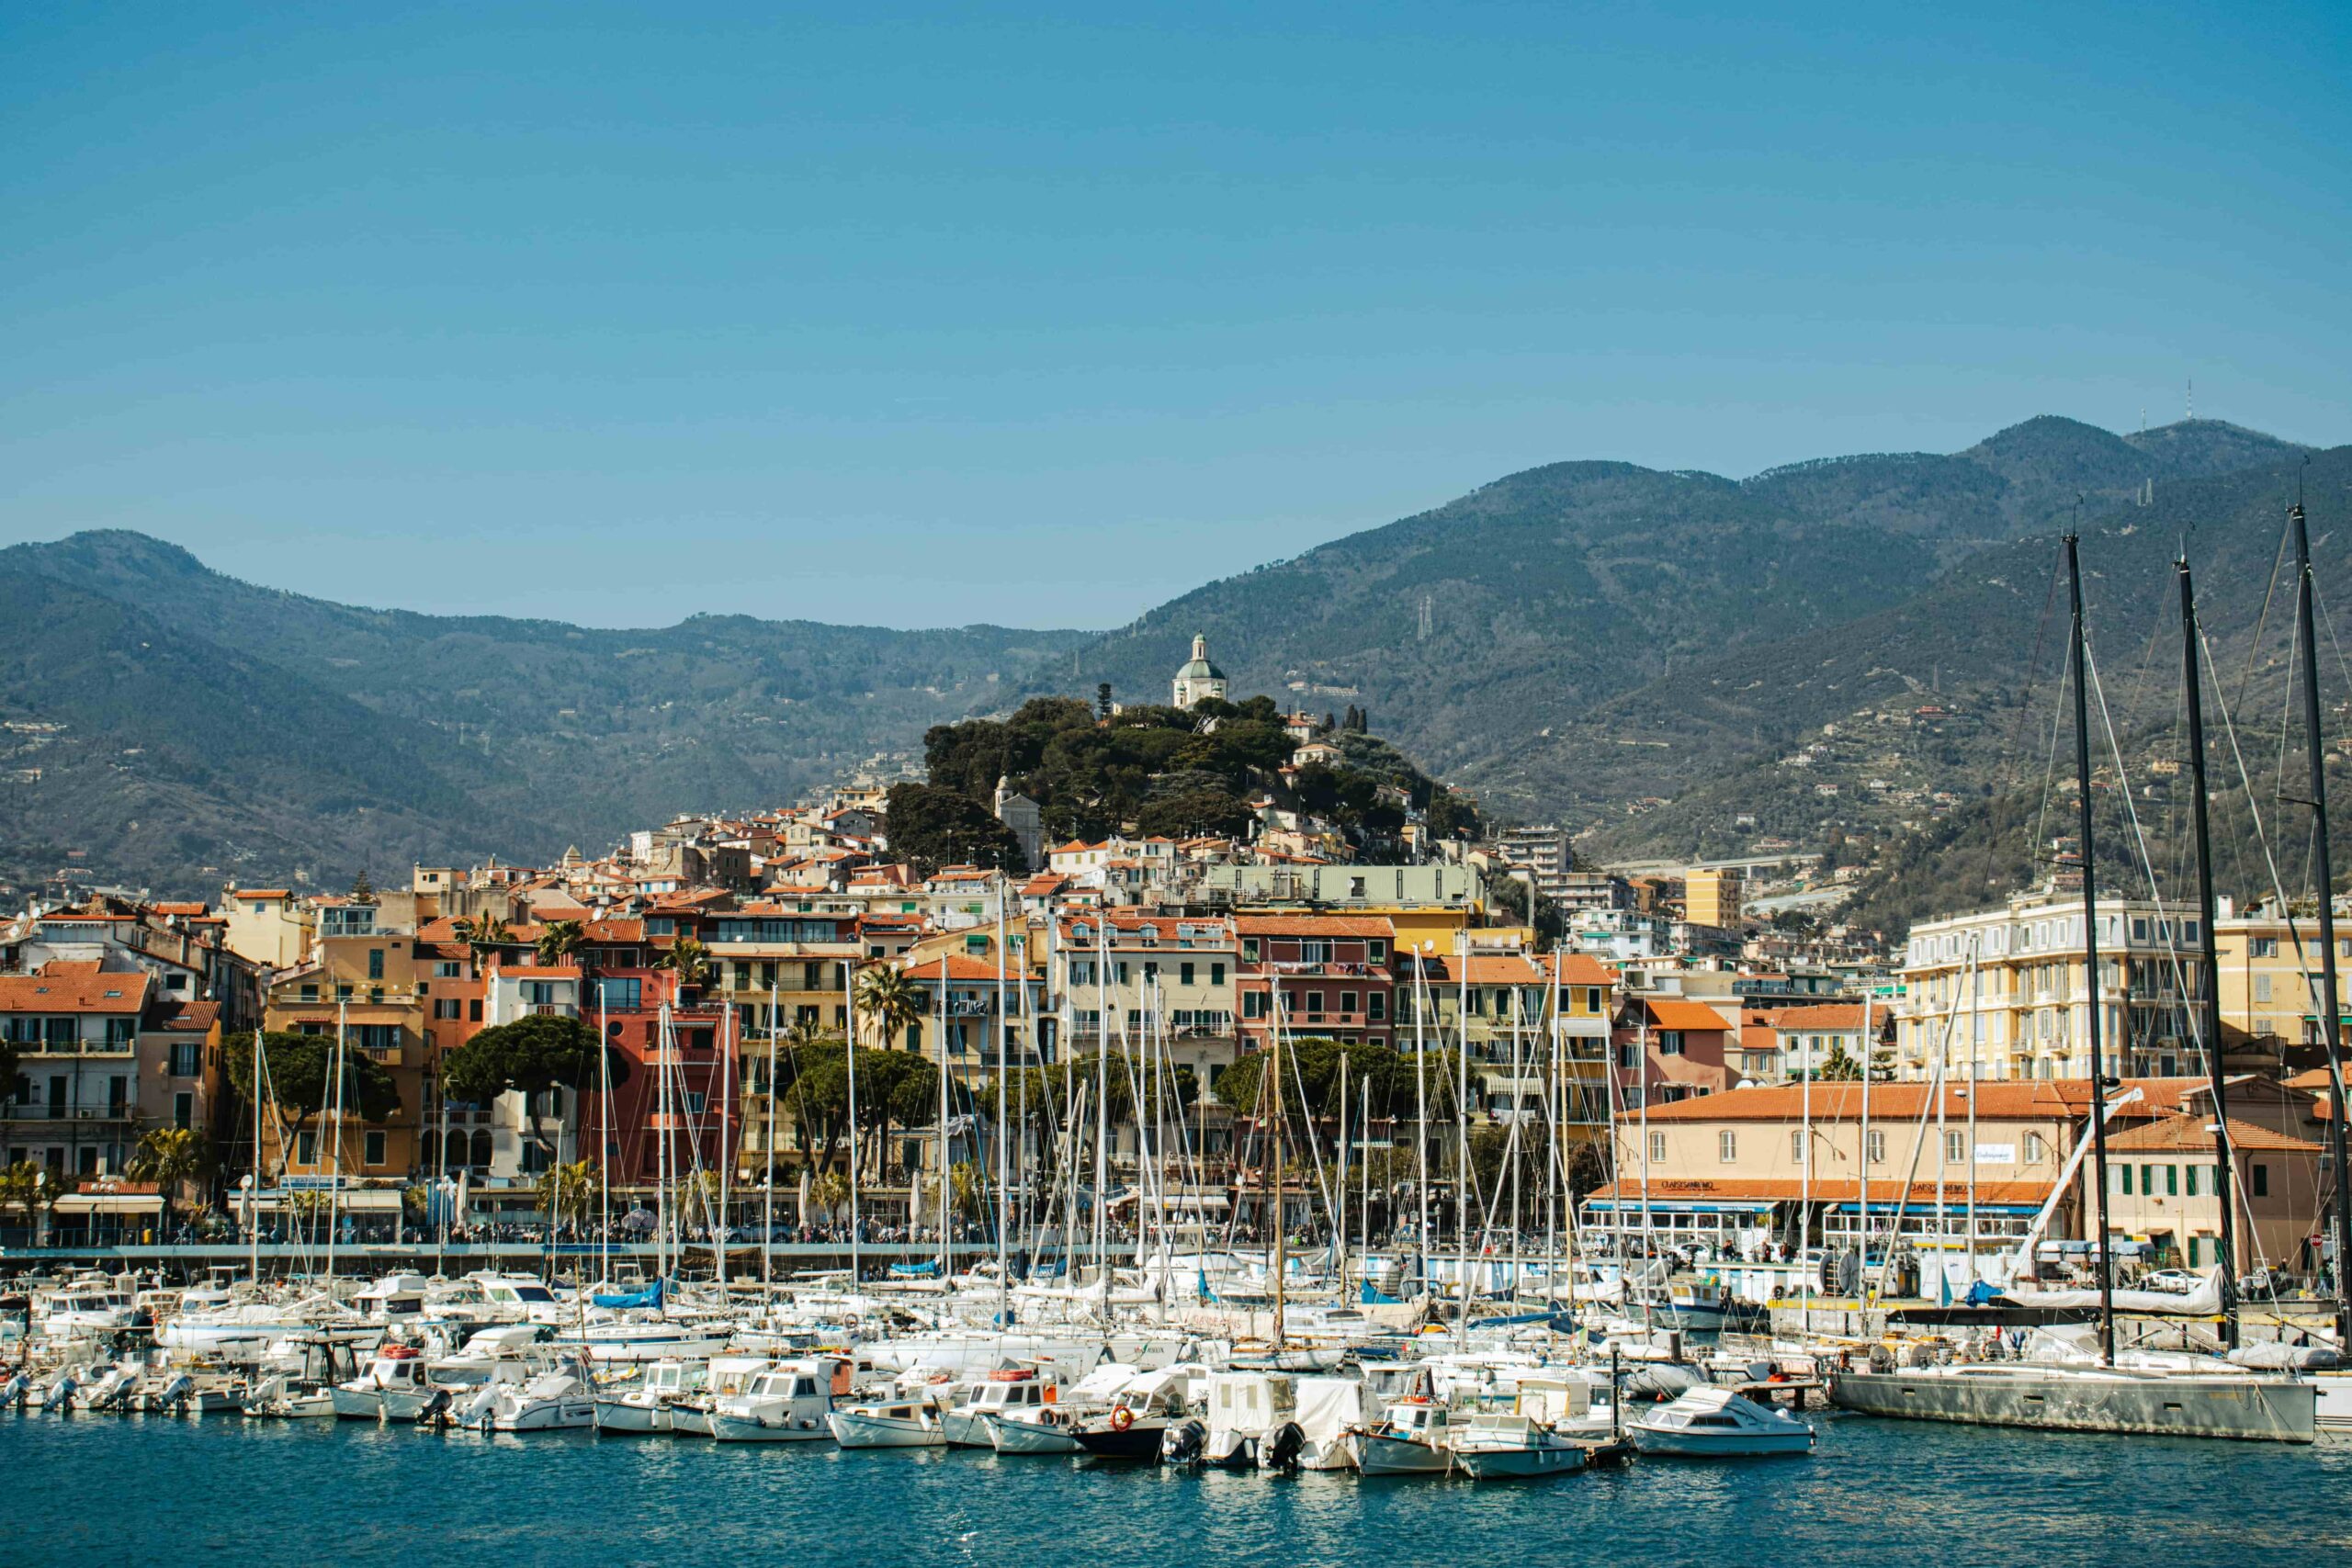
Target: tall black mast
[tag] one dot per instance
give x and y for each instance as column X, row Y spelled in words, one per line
column 2210, row 971
column 2307, row 651
column 2090, row 966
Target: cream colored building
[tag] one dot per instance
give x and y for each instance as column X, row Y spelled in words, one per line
column 2269, row 972
column 2006, row 989
column 266, row 925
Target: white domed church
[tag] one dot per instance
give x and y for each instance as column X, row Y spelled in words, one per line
column 1198, row 679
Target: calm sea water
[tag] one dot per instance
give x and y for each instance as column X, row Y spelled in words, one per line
column 96, row 1490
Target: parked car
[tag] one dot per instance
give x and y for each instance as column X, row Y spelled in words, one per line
column 2180, row 1281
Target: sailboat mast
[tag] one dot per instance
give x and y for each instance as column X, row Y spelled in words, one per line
column 1340, row 1218
column 335, row 1160
column 1421, row 1115
column 728, row 1045
column 2208, row 980
column 1462, row 1133
column 1281, row 1260
column 1102, row 1105
column 946, row 1197
column 2330, row 1018
column 767, row 1224
column 2100, row 1250
column 1003, row 1083
column 1863, row 1193
column 849, row 1060
column 605, row 1135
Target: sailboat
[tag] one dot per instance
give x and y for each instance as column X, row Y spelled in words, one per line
column 2184, row 1397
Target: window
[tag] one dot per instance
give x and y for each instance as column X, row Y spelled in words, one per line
column 449, row 1008
column 1375, row 951
column 2172, row 1181
column 2263, row 947
column 1877, row 1146
column 375, row 964
column 2262, row 988
column 693, row 1103
column 1253, row 1004
column 1657, row 1148
column 473, row 1010
column 1248, row 950
column 1314, row 1002
column 1956, row 1149
column 183, row 1111
column 2036, row 1148
column 447, row 969
column 187, row 1058
column 1216, row 974
column 2261, row 1174
column 1727, row 1147
column 2123, row 1176
column 2190, row 1177
column 1379, row 1006
column 372, row 1149
column 306, row 1148
column 1347, row 1002
column 310, row 993
column 1796, row 1145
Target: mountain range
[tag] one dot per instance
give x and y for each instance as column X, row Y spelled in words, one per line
column 1631, row 652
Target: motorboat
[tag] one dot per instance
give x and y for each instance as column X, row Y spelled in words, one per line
column 1050, row 1425
column 392, row 1388
column 690, row 1412
column 1140, row 1414
column 1244, row 1411
column 1715, row 1423
column 608, row 1337
column 395, row 1298
column 887, row 1424
column 281, row 1398
column 554, row 1401
column 1008, row 1391
column 646, row 1407
column 1509, row 1446
column 1413, row 1437
column 86, row 1308
column 788, row 1402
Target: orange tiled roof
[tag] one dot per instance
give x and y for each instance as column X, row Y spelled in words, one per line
column 1313, row 925
column 2189, row 1133
column 1677, row 1012
column 90, row 991
column 2011, row 1098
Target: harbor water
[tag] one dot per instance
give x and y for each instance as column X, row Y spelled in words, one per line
column 88, row 1489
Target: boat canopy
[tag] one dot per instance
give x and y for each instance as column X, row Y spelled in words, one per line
column 649, row 1297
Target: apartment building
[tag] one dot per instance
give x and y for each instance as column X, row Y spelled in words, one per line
column 2007, row 990
column 1507, row 1004
column 1328, row 976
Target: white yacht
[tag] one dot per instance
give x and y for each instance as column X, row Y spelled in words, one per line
column 1715, row 1423
column 1049, row 1425
column 690, row 1412
column 554, row 1401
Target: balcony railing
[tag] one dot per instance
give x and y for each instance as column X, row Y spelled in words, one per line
column 77, row 1047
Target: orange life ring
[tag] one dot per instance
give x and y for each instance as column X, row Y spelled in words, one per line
column 1122, row 1418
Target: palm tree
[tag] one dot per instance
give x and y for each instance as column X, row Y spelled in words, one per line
column 830, row 1192
column 30, row 1188
column 889, row 1002
column 485, row 933
column 558, row 940
column 567, row 1193
column 689, row 959
column 172, row 1157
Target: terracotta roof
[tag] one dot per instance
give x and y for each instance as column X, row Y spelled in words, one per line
column 960, row 966
column 2189, row 1132
column 539, row 971
column 2011, row 1098
column 198, row 1017
column 1676, row 1012
column 62, row 968
column 2317, row 1078
column 1822, row 1189
column 262, row 893
column 86, row 992
column 1820, row 1015
column 1313, row 925
column 1583, row 969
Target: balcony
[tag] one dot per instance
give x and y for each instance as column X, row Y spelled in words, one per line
column 32, row 1048
column 10, row 1111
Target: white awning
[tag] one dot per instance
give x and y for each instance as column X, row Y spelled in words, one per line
column 110, row 1203
column 371, row 1202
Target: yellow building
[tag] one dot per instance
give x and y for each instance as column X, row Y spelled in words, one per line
column 372, row 986
column 1715, row 898
column 2270, row 974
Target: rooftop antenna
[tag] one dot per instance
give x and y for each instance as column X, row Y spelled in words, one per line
column 2190, row 417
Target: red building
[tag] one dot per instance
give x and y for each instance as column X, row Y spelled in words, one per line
column 1323, row 974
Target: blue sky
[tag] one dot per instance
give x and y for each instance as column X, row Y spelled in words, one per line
column 923, row 316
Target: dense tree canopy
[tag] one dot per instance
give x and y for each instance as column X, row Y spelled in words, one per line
column 932, row 827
